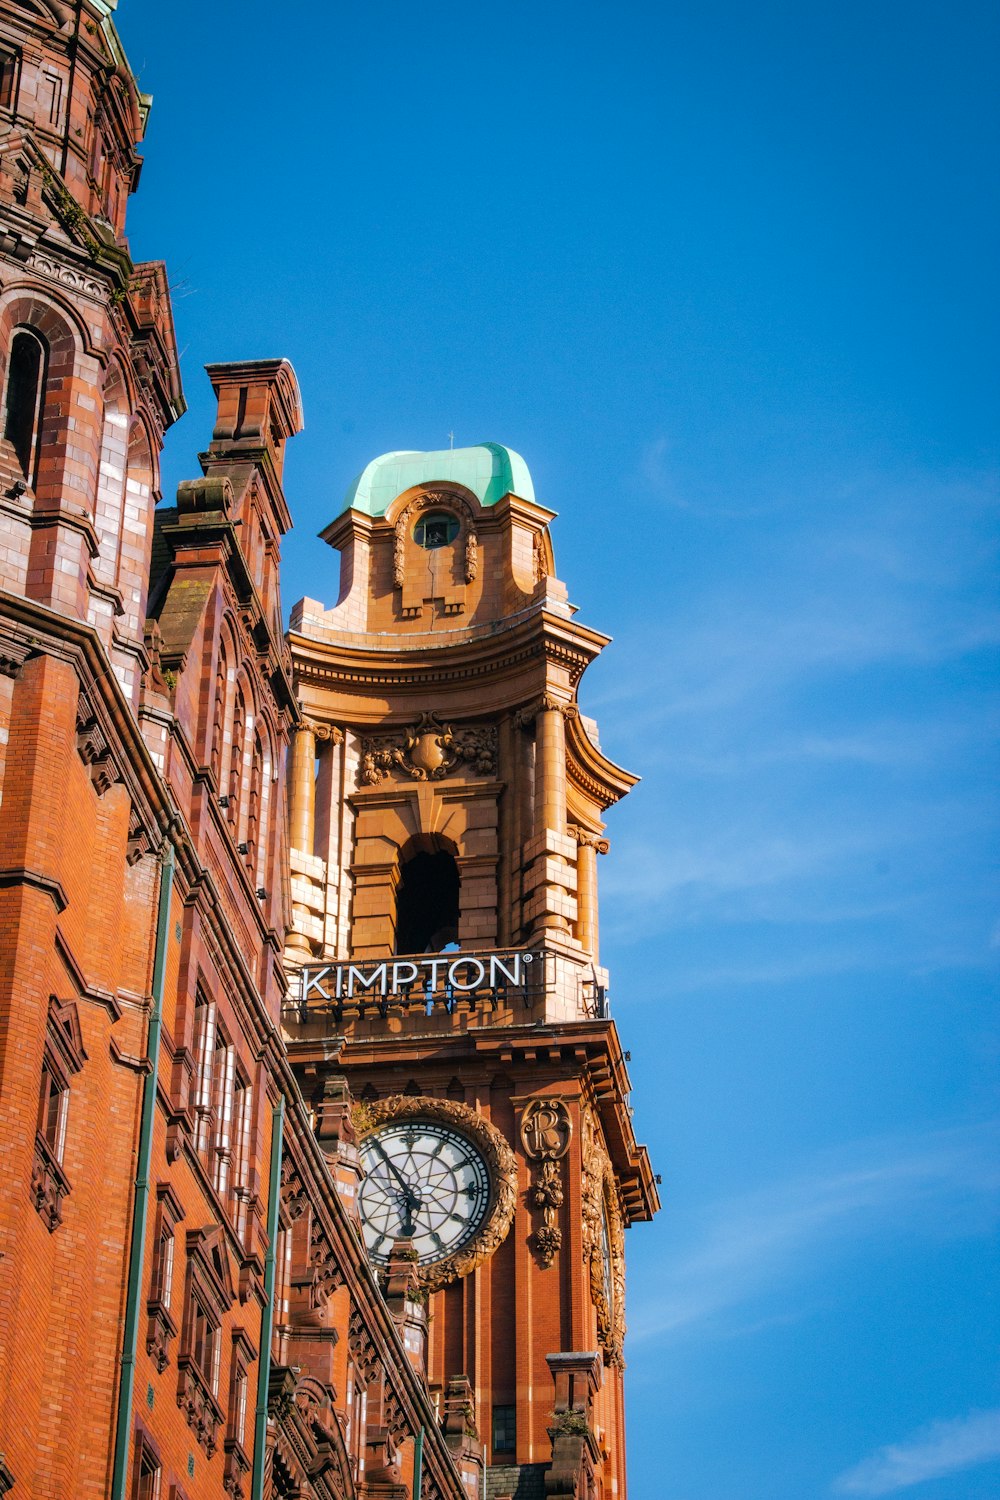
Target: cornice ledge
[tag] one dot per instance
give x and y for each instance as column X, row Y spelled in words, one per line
column 14, row 875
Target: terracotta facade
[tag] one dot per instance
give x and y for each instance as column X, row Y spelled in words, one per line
column 192, row 809
column 443, row 741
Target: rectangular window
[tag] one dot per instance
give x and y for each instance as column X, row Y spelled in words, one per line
column 163, row 1266
column 238, row 1403
column 53, row 1098
column 51, row 96
column 242, row 1129
column 203, row 1339
column 224, row 1073
column 147, row 1475
column 204, row 1053
column 503, row 1429
column 8, row 78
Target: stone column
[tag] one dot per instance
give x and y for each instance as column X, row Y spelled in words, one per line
column 550, row 767
column 589, row 846
column 308, row 871
column 302, row 789
column 549, row 857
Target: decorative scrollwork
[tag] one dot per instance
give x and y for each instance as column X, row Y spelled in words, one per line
column 429, row 751
column 500, row 1162
column 587, row 840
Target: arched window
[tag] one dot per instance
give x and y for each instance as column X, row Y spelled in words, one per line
column 25, row 398
column 427, row 903
column 236, row 759
column 253, row 804
column 219, row 711
column 261, row 877
column 111, row 475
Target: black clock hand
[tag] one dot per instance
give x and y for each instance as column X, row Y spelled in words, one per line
column 411, row 1203
column 394, row 1169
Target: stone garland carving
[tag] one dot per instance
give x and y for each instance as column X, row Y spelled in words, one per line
column 430, row 500
column 399, row 551
column 471, row 557
column 538, row 568
column 546, row 1132
column 500, row 1162
column 429, row 751
column 600, row 1197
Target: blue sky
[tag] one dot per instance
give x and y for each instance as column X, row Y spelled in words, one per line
column 726, row 276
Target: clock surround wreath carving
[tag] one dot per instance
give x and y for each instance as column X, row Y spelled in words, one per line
column 497, row 1156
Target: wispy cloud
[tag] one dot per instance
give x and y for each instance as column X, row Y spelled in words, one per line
column 751, row 1245
column 932, row 1453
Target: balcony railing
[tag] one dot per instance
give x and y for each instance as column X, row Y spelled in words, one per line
column 510, row 981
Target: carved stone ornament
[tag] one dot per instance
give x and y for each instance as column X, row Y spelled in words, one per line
column 471, row 557
column 325, row 733
column 428, row 752
column 547, row 703
column 587, row 840
column 501, row 1165
column 546, row 1129
column 447, row 500
column 546, row 1132
column 93, row 748
column 538, row 568
column 600, row 1203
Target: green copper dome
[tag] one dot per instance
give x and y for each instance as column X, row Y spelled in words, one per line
column 489, row 470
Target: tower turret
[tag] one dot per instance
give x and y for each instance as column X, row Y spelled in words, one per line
column 447, row 805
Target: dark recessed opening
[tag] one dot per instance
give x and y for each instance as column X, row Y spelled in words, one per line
column 427, row 904
column 436, row 530
column 24, row 383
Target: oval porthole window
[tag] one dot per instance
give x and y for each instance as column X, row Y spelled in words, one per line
column 435, row 530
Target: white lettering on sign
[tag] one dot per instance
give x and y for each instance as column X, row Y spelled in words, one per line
column 409, row 981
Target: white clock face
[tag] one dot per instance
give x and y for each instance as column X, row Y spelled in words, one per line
column 425, row 1182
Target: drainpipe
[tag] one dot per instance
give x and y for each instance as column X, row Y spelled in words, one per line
column 140, row 1211
column 267, row 1318
column 418, row 1463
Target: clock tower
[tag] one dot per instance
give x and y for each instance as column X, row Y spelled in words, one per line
column 447, row 801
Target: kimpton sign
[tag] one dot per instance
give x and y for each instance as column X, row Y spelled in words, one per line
column 421, row 980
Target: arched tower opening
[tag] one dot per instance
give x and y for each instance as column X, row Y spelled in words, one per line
column 427, row 900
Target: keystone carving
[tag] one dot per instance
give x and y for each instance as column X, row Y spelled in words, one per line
column 546, row 1132
column 429, row 751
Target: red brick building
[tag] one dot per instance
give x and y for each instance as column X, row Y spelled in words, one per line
column 188, row 1306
